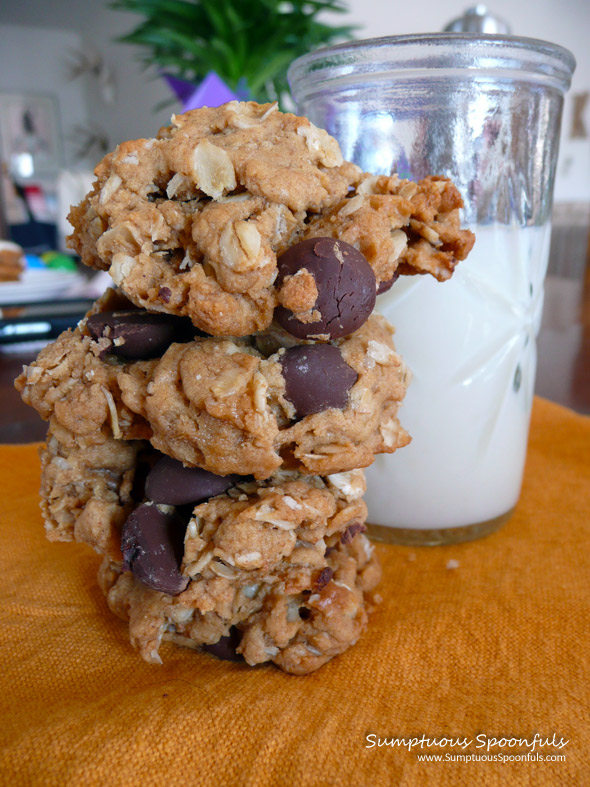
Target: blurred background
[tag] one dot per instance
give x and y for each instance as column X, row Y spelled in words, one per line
column 70, row 91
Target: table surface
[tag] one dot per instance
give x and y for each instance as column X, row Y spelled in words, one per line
column 563, row 373
column 484, row 642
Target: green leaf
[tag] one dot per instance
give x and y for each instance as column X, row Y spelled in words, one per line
column 274, row 66
column 254, row 40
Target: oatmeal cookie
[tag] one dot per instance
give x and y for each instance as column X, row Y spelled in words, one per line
column 228, row 405
column 298, row 616
column 69, row 382
column 260, row 528
column 400, row 226
column 12, row 261
column 91, row 486
column 280, row 566
column 87, row 487
column 192, row 222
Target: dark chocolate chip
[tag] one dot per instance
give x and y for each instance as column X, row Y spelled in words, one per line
column 225, row 648
column 322, row 578
column 143, row 465
column 351, row 531
column 345, row 282
column 143, row 334
column 152, row 544
column 164, row 294
column 304, row 613
column 384, row 286
column 172, row 483
column 316, row 378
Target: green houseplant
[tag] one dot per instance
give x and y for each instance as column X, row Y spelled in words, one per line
column 249, row 44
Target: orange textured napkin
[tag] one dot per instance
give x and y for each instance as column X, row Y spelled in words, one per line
column 495, row 647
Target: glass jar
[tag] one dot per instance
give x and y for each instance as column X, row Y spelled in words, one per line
column 484, row 110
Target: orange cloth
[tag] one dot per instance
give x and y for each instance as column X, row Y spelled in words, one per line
column 497, row 646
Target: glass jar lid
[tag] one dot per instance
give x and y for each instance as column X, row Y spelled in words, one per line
column 415, row 56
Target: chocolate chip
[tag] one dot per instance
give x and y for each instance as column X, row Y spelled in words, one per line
column 164, row 294
column 351, row 531
column 137, row 334
column 345, row 282
column 152, row 544
column 304, row 613
column 316, row 378
column 329, row 551
column 384, row 286
column 171, row 483
column 322, row 578
column 143, row 466
column 225, row 648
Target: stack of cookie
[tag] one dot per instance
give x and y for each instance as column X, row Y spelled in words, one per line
column 208, row 418
column 12, row 261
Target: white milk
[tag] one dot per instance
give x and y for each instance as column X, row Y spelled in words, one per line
column 470, row 344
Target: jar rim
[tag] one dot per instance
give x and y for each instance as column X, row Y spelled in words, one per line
column 424, row 52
